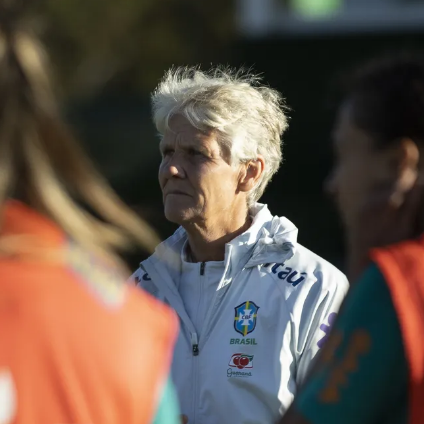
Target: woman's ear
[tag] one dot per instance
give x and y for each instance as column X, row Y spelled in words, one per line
column 405, row 157
column 250, row 173
column 408, row 166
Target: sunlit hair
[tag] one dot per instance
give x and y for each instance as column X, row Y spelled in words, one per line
column 248, row 117
column 39, row 159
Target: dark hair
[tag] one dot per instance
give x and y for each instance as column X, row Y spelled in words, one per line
column 387, row 98
column 41, row 160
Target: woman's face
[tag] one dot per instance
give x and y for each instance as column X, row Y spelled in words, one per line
column 197, row 183
column 360, row 168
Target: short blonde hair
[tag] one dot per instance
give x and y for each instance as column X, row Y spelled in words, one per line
column 249, row 117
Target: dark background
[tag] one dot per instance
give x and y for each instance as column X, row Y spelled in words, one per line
column 108, row 103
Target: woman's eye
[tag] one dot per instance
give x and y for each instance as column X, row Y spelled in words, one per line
column 194, row 152
column 167, row 152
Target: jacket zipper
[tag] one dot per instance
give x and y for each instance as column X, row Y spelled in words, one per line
column 194, row 340
column 195, row 350
column 195, row 366
column 194, row 344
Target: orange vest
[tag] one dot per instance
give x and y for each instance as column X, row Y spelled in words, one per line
column 77, row 344
column 402, row 266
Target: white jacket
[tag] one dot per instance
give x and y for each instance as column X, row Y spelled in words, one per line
column 266, row 322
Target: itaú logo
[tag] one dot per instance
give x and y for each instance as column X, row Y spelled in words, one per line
column 241, row 361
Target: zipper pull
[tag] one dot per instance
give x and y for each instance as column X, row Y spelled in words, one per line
column 202, row 268
column 194, row 344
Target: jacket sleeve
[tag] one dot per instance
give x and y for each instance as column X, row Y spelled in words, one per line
column 322, row 301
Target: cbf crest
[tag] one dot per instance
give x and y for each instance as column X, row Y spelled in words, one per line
column 245, row 317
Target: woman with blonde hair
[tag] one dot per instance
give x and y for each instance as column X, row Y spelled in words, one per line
column 252, row 301
column 77, row 344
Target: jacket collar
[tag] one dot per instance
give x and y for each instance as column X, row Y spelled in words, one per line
column 268, row 240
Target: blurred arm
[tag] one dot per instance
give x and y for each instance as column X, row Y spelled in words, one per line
column 361, row 374
column 168, row 411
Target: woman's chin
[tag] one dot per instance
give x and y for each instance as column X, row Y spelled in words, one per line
column 178, row 215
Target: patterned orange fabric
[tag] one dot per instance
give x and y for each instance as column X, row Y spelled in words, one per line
column 403, row 268
column 78, row 346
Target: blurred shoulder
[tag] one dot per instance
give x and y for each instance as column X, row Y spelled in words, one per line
column 145, row 307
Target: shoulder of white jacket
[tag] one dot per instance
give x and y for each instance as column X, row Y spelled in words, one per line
column 143, row 280
column 172, row 242
column 167, row 253
column 308, row 261
column 133, row 276
column 163, row 249
column 305, row 268
column 138, row 275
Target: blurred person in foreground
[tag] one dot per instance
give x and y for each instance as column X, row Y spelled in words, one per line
column 250, row 298
column 78, row 345
column 372, row 368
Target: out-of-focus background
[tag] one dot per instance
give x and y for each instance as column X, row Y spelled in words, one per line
column 109, row 55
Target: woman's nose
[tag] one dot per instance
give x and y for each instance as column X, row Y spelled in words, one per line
column 174, row 171
column 173, row 168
